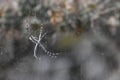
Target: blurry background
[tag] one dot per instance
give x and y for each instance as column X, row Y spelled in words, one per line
column 85, row 33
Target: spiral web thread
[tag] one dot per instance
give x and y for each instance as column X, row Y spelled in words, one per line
column 37, row 41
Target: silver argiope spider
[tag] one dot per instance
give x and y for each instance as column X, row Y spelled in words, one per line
column 38, row 43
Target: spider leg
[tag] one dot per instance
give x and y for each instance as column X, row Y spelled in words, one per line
column 54, row 55
column 41, row 31
column 33, row 39
column 37, row 42
column 43, row 35
column 35, row 50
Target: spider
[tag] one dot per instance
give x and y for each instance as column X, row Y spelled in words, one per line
column 38, row 43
